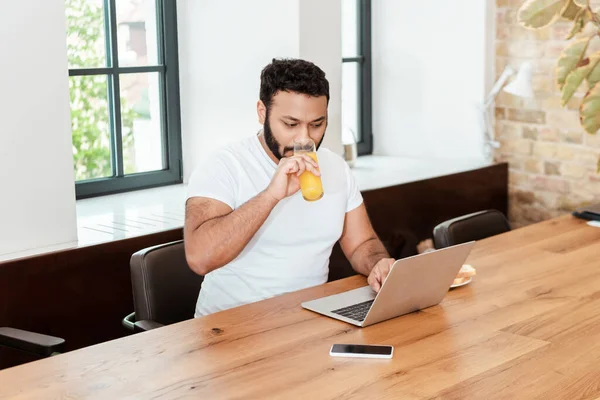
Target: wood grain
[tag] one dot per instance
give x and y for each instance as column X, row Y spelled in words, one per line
column 82, row 294
column 527, row 327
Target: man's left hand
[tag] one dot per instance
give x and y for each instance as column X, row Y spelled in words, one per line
column 379, row 273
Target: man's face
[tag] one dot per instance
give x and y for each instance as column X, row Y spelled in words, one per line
column 294, row 116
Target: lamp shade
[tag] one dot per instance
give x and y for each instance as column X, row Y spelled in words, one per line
column 521, row 86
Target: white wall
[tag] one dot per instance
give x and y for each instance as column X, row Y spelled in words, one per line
column 223, row 46
column 321, row 43
column 37, row 192
column 431, row 69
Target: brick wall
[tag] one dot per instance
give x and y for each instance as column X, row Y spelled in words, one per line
column 552, row 160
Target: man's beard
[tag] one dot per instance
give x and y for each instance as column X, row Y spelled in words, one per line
column 274, row 145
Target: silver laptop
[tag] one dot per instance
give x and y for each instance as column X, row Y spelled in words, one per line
column 413, row 283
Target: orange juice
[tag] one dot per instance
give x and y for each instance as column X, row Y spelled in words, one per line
column 311, row 185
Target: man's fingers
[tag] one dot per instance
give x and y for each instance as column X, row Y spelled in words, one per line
column 310, row 161
column 292, row 166
column 301, row 166
column 312, row 169
column 375, row 285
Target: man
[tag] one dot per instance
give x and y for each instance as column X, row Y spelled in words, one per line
column 249, row 231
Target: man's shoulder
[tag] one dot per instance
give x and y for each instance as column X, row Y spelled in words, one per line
column 233, row 151
column 331, row 157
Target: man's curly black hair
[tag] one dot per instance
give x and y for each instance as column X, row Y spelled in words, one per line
column 292, row 75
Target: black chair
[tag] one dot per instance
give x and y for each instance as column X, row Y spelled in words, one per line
column 165, row 289
column 476, row 226
column 30, row 342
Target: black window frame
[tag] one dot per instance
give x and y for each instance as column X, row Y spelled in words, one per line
column 363, row 59
column 168, row 69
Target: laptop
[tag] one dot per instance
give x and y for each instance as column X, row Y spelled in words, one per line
column 414, row 283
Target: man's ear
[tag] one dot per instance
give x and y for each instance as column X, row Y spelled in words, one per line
column 261, row 110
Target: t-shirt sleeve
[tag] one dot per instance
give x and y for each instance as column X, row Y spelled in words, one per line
column 213, row 179
column 354, row 197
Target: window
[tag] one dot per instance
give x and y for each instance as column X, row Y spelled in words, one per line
column 356, row 72
column 124, row 92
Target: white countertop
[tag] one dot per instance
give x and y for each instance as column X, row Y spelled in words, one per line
column 125, row 215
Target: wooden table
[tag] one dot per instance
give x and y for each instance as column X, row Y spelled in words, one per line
column 527, row 327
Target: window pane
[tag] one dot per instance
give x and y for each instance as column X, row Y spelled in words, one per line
column 90, row 127
column 350, row 98
column 141, row 122
column 85, row 33
column 350, row 28
column 136, row 22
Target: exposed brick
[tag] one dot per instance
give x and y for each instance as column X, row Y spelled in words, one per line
column 552, row 160
column 572, row 137
column 570, row 203
column 510, row 17
column 535, row 213
column 544, row 150
column 517, row 179
column 553, row 50
column 501, row 48
column 592, row 140
column 514, row 162
column 551, row 184
column 564, row 152
column 554, row 102
column 551, row 168
column 530, row 133
column 548, row 200
column 586, row 156
column 500, row 113
column 524, row 196
column 508, row 130
column 573, row 170
column 564, row 120
column 523, row 146
column 533, row 166
column 544, row 84
column 524, row 49
column 549, row 135
column 560, row 30
column 530, row 116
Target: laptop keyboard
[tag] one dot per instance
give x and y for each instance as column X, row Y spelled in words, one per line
column 357, row 312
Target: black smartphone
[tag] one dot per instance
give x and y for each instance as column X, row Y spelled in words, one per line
column 361, row 350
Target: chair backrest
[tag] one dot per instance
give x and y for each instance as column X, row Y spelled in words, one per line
column 476, row 226
column 165, row 289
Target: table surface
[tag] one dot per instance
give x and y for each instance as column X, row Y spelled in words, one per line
column 528, row 326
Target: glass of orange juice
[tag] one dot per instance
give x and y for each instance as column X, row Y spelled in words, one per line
column 310, row 184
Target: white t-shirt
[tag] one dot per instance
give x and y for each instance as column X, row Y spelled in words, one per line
column 291, row 250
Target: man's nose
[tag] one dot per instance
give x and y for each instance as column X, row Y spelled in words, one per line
column 303, row 132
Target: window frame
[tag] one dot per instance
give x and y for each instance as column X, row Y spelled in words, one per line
column 363, row 59
column 168, row 70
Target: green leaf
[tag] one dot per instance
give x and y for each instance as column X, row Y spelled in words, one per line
column 582, row 18
column 539, row 13
column 577, row 76
column 589, row 112
column 568, row 60
column 571, row 10
column 594, row 77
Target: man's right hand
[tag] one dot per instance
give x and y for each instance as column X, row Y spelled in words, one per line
column 286, row 180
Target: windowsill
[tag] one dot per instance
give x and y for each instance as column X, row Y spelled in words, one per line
column 125, row 215
column 375, row 172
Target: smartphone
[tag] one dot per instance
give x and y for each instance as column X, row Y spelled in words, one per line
column 361, row 350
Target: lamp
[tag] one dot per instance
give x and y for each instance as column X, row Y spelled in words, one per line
column 521, row 86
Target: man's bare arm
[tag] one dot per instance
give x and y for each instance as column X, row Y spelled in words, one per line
column 360, row 243
column 215, row 234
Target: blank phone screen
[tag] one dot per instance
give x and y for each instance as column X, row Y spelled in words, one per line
column 361, row 349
